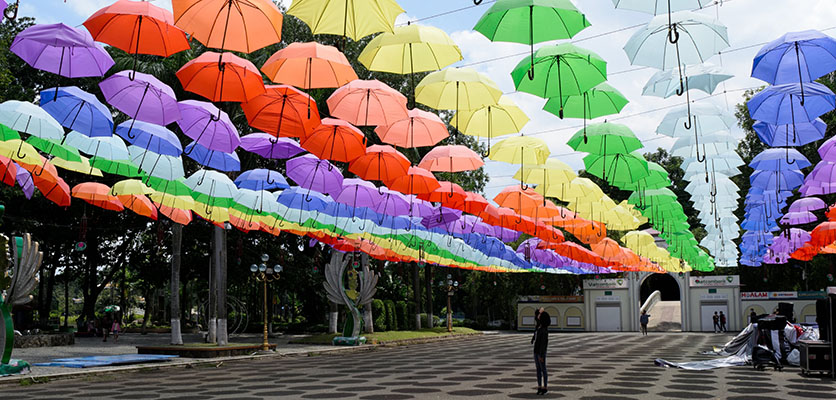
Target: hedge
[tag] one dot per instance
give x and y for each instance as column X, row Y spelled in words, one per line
column 391, row 318
column 401, row 313
column 379, row 315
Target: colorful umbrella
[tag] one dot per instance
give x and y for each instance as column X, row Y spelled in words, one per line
column 62, row 50
column 519, row 150
column 139, row 204
column 457, row 89
column 235, row 25
column 451, row 158
column 309, row 66
column 270, row 147
column 77, row 110
column 208, row 126
column 221, row 77
column 502, row 118
column 150, row 137
column 315, row 174
column 55, row 148
column 141, row 96
column 560, row 70
column 796, row 57
column 380, row 163
column 419, row 129
column 137, row 28
column 261, row 179
column 416, row 181
column 335, row 140
column 605, row 138
column 354, row 19
column 367, row 102
column 9, row 169
column 212, row 189
column 212, row 158
column 281, row 111
column 28, row 118
column 97, row 194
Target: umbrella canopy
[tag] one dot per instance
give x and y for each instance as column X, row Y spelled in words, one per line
column 261, row 179
column 605, row 138
column 779, row 159
column 703, row 77
column 150, row 137
column 417, row 180
column 82, row 166
column 560, row 70
column 156, row 165
column 221, row 77
column 271, row 147
column 309, row 66
column 798, row 218
column 599, row 101
column 457, row 89
column 354, row 19
column 315, row 174
column 283, row 111
column 137, row 28
column 367, row 102
column 77, row 110
column 531, row 21
column 700, row 118
column 451, row 158
column 139, row 204
column 807, row 204
column 502, row 118
column 409, row 49
column 212, row 188
column 618, row 168
column 208, row 126
column 180, row 216
column 9, row 169
column 130, row 187
column 795, row 57
column 797, row 134
column 235, row 25
column 782, row 104
column 657, row 7
column 62, row 50
column 552, row 177
column 28, row 118
column 520, row 150
column 380, row 163
column 359, row 193
column 335, row 140
column 652, row 47
column 419, row 129
column 212, row 158
column 141, row 96
column 446, row 192
column 55, row 148
column 97, row 194
column 107, row 147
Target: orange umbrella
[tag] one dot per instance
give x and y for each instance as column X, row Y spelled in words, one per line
column 831, row 213
column 419, row 129
column 244, row 225
column 309, row 66
column 235, row 25
column 97, row 194
column 548, row 234
column 609, row 250
column 490, row 215
column 453, row 158
column 269, row 228
column 586, row 231
column 46, row 179
column 578, row 253
column 829, row 249
column 282, row 111
column 221, row 77
column 824, row 234
column 9, row 169
column 178, row 215
column 137, row 27
column 509, row 218
column 416, row 181
column 806, row 252
column 474, row 203
column 447, row 192
column 380, row 163
column 368, row 102
column 516, row 198
column 139, row 204
column 335, row 140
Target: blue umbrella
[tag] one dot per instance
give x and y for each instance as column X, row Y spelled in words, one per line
column 779, row 159
column 797, row 134
column 213, row 159
column 261, row 179
column 796, row 57
column 77, row 110
column 150, row 137
column 781, row 104
column 441, row 217
column 303, row 199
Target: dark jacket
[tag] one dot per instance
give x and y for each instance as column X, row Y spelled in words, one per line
column 541, row 335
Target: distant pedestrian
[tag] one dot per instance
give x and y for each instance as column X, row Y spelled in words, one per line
column 716, row 319
column 643, row 320
column 541, row 343
column 722, row 322
column 753, row 316
column 107, row 322
column 115, row 328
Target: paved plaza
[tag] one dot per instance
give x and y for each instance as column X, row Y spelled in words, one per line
column 582, row 365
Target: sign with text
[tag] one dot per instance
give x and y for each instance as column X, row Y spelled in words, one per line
column 550, row 299
column 714, row 281
column 783, row 295
column 605, row 284
column 754, row 295
column 608, row 299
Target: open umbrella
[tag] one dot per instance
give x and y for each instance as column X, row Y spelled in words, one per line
column 599, row 101
column 81, row 166
column 212, row 189
column 502, row 118
column 781, row 104
column 315, row 174
column 308, row 66
column 141, row 96
column 156, row 165
column 457, row 89
column 261, row 179
column 107, row 147
column 221, row 77
column 416, row 181
column 208, row 126
column 618, row 168
column 519, row 150
column 219, row 160
column 552, row 177
column 797, row 134
column 283, row 111
column 150, row 137
column 605, row 138
column 796, row 57
column 807, row 204
column 137, row 28
column 419, row 129
column 367, row 102
column 704, row 77
column 380, row 163
column 97, row 194
column 335, row 140
column 77, row 110
column 451, row 158
column 270, row 147
column 354, row 19
column 28, row 118
column 62, row 50
column 235, row 25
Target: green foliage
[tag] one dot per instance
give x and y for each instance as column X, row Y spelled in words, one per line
column 411, row 309
column 379, row 315
column 391, row 318
column 401, row 314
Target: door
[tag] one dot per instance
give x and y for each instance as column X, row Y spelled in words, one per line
column 608, row 318
column 707, row 311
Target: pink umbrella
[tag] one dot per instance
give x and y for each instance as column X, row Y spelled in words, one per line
column 453, row 158
column 419, row 129
column 364, row 103
column 62, row 50
column 141, row 96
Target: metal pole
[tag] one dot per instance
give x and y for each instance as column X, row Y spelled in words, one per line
column 428, row 278
column 449, row 311
column 264, row 344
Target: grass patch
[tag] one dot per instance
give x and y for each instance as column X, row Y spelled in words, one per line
column 390, row 336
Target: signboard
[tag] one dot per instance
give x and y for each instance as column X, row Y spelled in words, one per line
column 808, row 295
column 605, row 284
column 714, row 281
column 723, row 296
column 550, row 299
column 608, row 299
column 783, row 295
column 754, row 295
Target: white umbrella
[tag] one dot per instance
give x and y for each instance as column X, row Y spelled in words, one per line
column 157, row 165
column 703, row 77
column 28, row 118
column 656, row 45
column 107, row 147
column 657, row 7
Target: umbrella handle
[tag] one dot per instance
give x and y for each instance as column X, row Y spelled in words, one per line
column 524, row 186
column 308, row 197
column 681, row 90
column 363, row 228
column 19, row 148
column 531, row 73
column 788, row 156
column 270, row 180
column 519, row 219
column 673, row 35
column 11, row 11
column 477, row 2
column 208, row 210
column 553, row 234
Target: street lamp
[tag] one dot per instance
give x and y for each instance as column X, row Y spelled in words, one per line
column 452, row 287
column 264, row 274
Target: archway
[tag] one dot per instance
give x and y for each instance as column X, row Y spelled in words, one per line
column 665, row 315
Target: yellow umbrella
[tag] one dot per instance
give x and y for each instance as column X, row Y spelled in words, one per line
column 552, row 177
column 172, row 201
column 211, row 213
column 82, row 166
column 129, row 187
column 582, row 188
column 409, row 49
column 639, row 242
column 519, row 150
column 502, row 118
column 355, row 19
column 457, row 89
column 19, row 150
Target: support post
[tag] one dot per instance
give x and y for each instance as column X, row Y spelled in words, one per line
column 176, row 242
column 416, row 289
column 428, row 277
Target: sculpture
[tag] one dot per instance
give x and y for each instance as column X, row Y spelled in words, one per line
column 361, row 287
column 17, row 279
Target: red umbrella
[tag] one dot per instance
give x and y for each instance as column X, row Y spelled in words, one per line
column 244, row 225
column 380, row 163
column 137, row 27
column 97, row 194
column 474, row 203
column 46, row 179
column 335, row 140
column 447, row 192
column 9, row 171
column 416, row 181
column 490, row 215
column 364, row 103
column 221, row 77
column 282, row 111
column 578, row 253
column 139, row 204
column 824, row 234
column 419, row 129
column 453, row 158
column 508, row 218
column 805, row 252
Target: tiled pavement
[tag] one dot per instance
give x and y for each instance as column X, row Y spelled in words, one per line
column 583, row 365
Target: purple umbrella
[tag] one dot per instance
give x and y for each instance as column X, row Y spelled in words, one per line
column 141, row 96
column 798, row 218
column 808, row 204
column 441, row 217
column 506, row 235
column 826, row 150
column 212, row 158
column 392, row 203
column 208, row 125
column 269, row 146
column 796, row 238
column 420, row 208
column 358, row 193
column 24, row 179
column 773, row 257
column 62, row 50
column 315, row 174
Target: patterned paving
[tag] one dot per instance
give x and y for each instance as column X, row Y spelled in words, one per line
column 582, row 366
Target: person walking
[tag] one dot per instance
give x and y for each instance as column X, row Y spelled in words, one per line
column 106, row 325
column 753, row 316
column 541, row 343
column 716, row 319
column 643, row 320
column 115, row 328
column 722, row 322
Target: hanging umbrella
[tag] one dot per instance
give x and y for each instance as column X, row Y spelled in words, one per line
column 447, row 192
column 367, row 102
column 82, row 166
column 139, row 204
column 560, row 70
column 657, row 7
column 235, row 25
column 474, row 203
column 531, row 21
column 796, row 57
column 156, row 165
column 212, row 158
column 270, row 147
column 797, row 134
column 704, row 77
column 335, row 140
column 77, row 110
column 55, row 148
column 97, row 194
column 212, row 189
column 137, row 28
column 150, row 137
column 28, row 118
column 392, row 203
column 62, row 50
column 221, row 77
column 502, row 118
column 419, row 129
column 106, row 147
column 552, row 177
column 251, row 205
column 626, row 168
column 25, row 181
column 599, row 101
column 117, row 167
column 605, row 138
column 315, row 174
column 180, row 216
column 451, row 158
column 417, row 180
column 9, row 169
column 349, row 18
column 261, row 179
column 781, row 104
column 380, row 163
column 208, row 126
column 359, row 193
column 519, row 150
column 441, row 217
column 20, row 151
column 141, row 96
column 779, row 159
column 702, row 118
column 309, row 66
column 283, row 111
column 130, row 187
column 798, row 218
column 807, row 204
column 457, row 89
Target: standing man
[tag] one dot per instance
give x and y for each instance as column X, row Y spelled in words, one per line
column 722, row 322
column 716, row 319
column 643, row 320
column 541, row 343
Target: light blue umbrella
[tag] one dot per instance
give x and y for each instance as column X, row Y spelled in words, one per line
column 107, row 147
column 212, row 188
column 78, row 110
column 658, row 7
column 704, row 77
column 30, row 119
column 150, row 137
column 157, row 165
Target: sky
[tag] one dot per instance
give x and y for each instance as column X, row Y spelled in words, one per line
column 751, row 23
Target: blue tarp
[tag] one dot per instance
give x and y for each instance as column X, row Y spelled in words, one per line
column 102, row 361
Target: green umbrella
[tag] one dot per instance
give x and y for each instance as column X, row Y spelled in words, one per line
column 531, row 21
column 617, row 168
column 7, row 133
column 596, row 102
column 657, row 179
column 55, row 148
column 561, row 70
column 605, row 139
column 116, row 167
column 175, row 187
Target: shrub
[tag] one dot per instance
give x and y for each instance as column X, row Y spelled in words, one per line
column 401, row 313
column 411, row 309
column 391, row 318
column 379, row 315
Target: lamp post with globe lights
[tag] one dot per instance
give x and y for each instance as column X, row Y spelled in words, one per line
column 452, row 287
column 264, row 273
